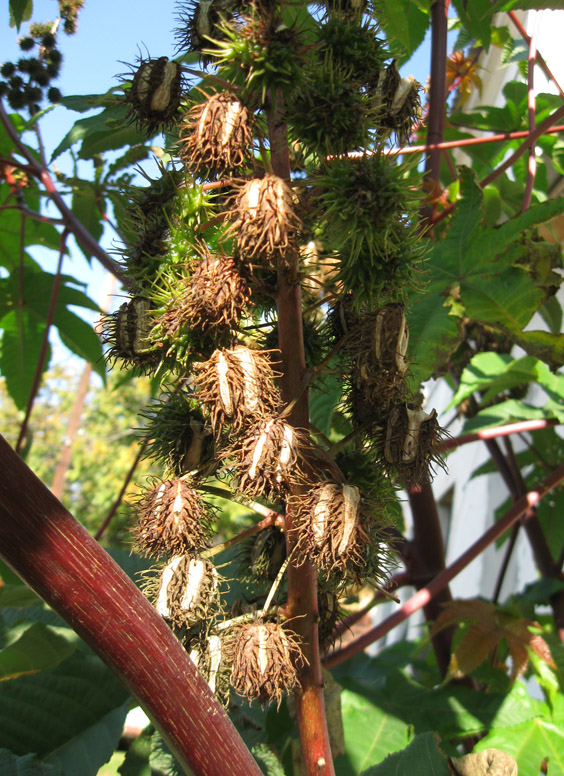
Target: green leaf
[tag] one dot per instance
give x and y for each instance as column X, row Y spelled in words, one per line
column 476, row 17
column 136, row 761
column 163, row 762
column 405, row 23
column 509, row 411
column 493, row 373
column 422, row 757
column 267, row 761
column 88, row 207
column 38, row 648
column 525, row 5
column 20, row 11
column 20, row 350
column 17, row 595
column 530, row 744
column 323, row 399
column 433, row 336
column 105, row 131
column 28, row 765
column 73, row 714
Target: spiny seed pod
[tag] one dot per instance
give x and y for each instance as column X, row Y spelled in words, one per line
column 410, row 441
column 378, row 352
column 154, row 96
column 197, row 22
column 209, row 656
column 266, row 224
column 187, row 590
column 213, row 297
column 329, row 526
column 177, row 437
column 237, row 386
column 262, row 558
column 216, row 136
column 329, row 616
column 172, row 520
column 128, row 333
column 265, row 656
column 398, row 98
column 267, row 459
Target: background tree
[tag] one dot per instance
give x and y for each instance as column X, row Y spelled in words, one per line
column 264, row 208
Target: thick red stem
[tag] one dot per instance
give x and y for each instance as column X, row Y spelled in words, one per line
column 302, row 580
column 56, row 557
column 493, row 433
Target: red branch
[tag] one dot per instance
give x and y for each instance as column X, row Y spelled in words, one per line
column 493, row 433
column 531, row 111
column 423, row 596
column 540, row 58
column 57, row 557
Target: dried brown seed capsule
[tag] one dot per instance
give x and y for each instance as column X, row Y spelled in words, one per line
column 238, row 387
column 214, row 297
column 265, row 656
column 187, row 590
column 172, row 520
column 267, row 224
column 329, row 616
column 154, row 96
column 410, row 442
column 209, row 655
column 400, row 103
column 330, row 527
column 378, row 352
column 268, row 458
column 128, row 332
column 216, row 136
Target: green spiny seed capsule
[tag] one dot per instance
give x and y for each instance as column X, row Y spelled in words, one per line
column 267, row 459
column 154, row 96
column 128, row 332
column 410, row 441
column 237, row 386
column 265, row 656
column 266, row 222
column 213, row 298
column 172, row 520
column 330, row 526
column 216, row 136
column 188, row 589
column 399, row 103
column 209, row 656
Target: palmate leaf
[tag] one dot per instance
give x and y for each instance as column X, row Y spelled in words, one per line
column 20, row 11
column 28, row 765
column 422, row 757
column 530, row 744
column 405, row 24
column 70, row 716
column 39, row 647
column 475, row 270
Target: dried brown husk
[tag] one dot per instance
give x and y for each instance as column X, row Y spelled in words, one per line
column 216, row 136
column 410, row 442
column 212, row 658
column 172, row 520
column 265, row 656
column 237, row 387
column 329, row 615
column 187, row 591
column 128, row 333
column 378, row 349
column 330, row 527
column 400, row 102
column 266, row 222
column 154, row 96
column 269, row 458
column 213, row 298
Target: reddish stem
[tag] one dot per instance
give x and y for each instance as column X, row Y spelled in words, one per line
column 423, row 596
column 493, row 433
column 44, row 344
column 532, row 110
column 302, row 580
column 56, row 556
column 540, row 58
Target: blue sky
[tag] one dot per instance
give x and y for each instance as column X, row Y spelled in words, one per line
column 109, row 34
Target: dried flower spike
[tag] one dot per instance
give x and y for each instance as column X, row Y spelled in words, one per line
column 187, row 590
column 265, row 656
column 172, row 520
column 154, row 96
column 216, row 136
column 238, row 387
column 267, row 224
